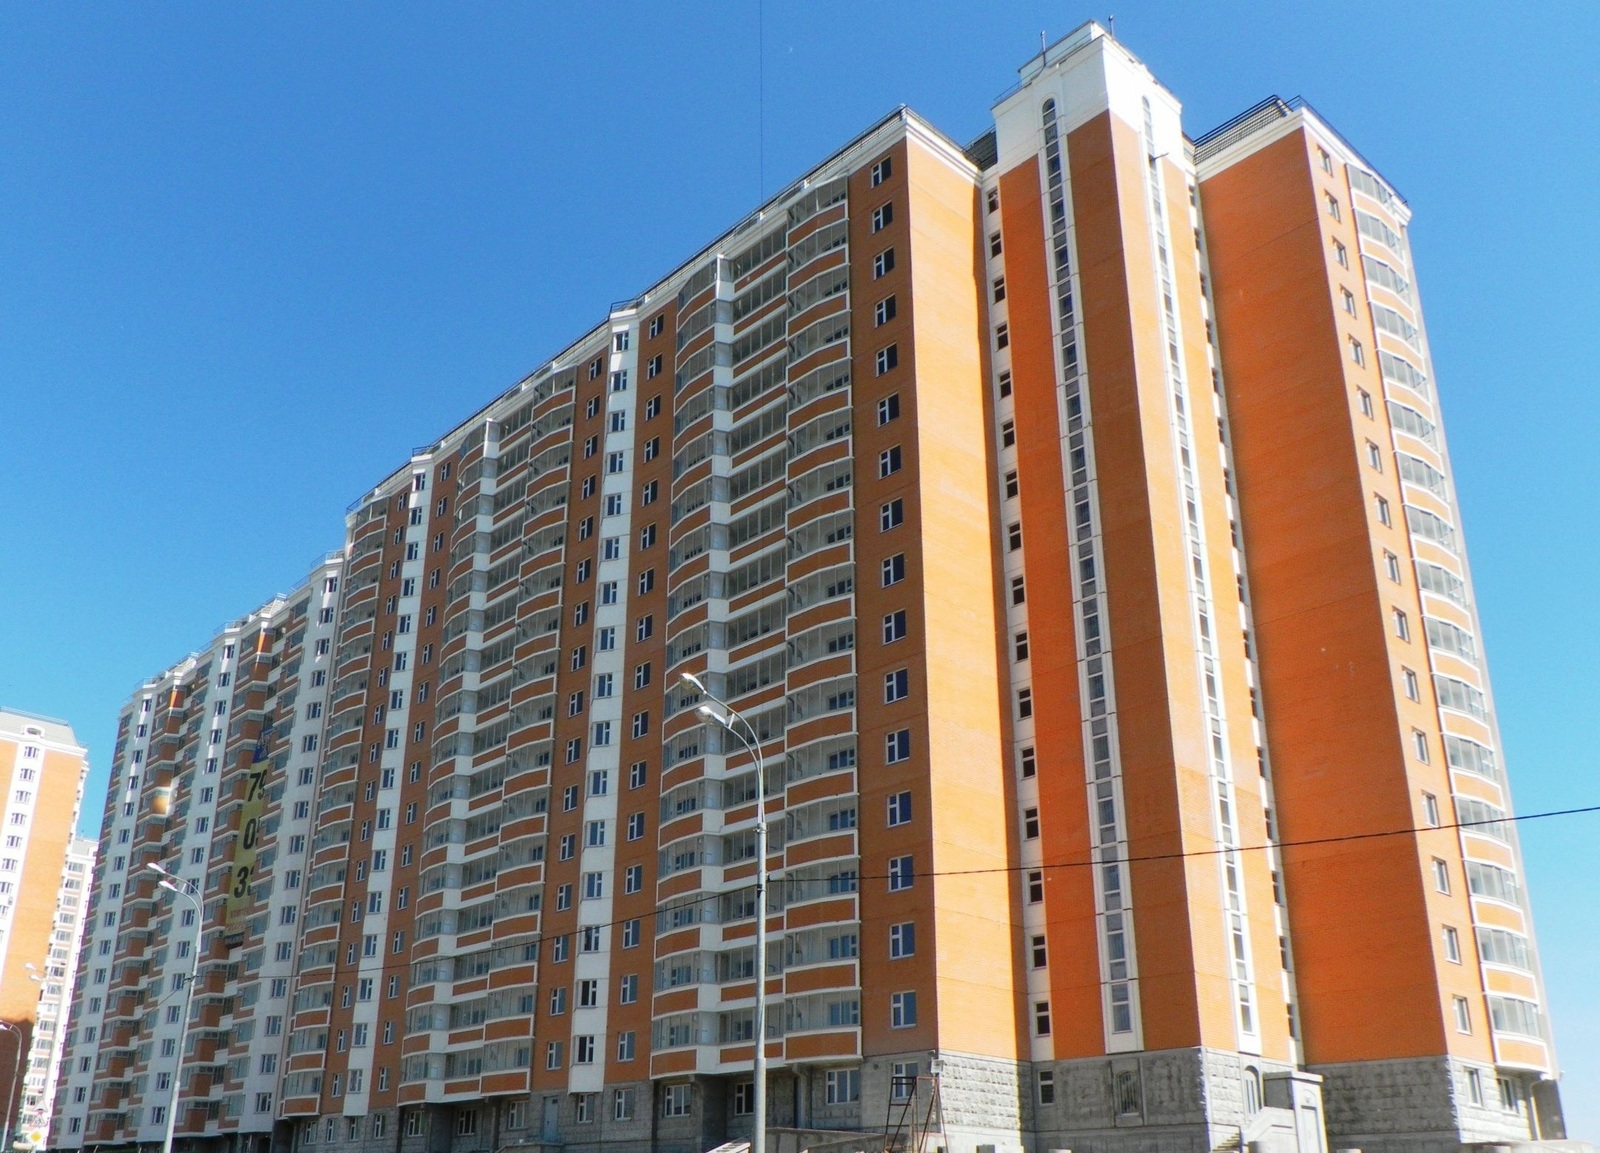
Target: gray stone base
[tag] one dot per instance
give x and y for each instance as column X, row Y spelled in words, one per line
column 1421, row 1105
column 1177, row 1101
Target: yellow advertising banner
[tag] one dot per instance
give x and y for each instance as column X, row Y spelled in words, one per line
column 242, row 868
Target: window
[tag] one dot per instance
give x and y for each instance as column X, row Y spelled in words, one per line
column 1364, row 398
column 894, row 569
column 897, row 747
column 888, row 462
column 891, row 515
column 889, row 409
column 1384, row 516
column 628, row 989
column 1391, row 566
column 1413, row 687
column 1008, row 434
column 675, row 1100
column 998, row 288
column 887, row 359
column 1035, row 888
column 1041, row 1018
column 1349, row 299
column 884, row 311
column 894, row 626
column 652, row 448
column 992, row 201
column 1357, row 352
column 1005, row 384
column 896, row 686
column 1463, row 1015
column 1452, row 945
column 902, row 1010
column 1374, row 456
column 882, row 216
column 994, row 244
column 1441, row 876
column 652, row 369
column 899, row 809
column 1030, row 762
column 1402, row 626
column 1430, row 809
column 902, row 940
column 649, row 493
column 1002, row 336
column 1019, row 590
column 883, row 263
column 843, row 1086
column 1333, row 205
column 902, row 873
column 1047, row 1087
column 882, row 170
column 657, row 323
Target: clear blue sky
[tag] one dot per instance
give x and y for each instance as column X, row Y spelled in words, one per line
column 251, row 254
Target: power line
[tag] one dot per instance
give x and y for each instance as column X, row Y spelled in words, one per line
column 1088, row 862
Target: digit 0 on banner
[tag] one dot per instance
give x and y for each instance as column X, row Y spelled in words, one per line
column 242, row 869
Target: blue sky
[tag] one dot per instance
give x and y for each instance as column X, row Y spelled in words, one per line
column 232, row 236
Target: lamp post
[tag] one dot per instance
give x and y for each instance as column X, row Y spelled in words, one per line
column 16, row 1076
column 173, row 885
column 730, row 719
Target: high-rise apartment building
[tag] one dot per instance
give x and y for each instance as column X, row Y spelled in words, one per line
column 55, row 995
column 203, row 784
column 1071, row 530
column 43, row 766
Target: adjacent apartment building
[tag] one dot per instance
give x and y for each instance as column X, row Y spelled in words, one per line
column 44, row 766
column 54, row 980
column 1068, row 518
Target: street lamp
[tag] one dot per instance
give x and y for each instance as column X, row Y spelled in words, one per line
column 172, row 884
column 730, row 719
column 16, row 1076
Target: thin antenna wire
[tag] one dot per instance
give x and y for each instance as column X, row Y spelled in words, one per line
column 761, row 99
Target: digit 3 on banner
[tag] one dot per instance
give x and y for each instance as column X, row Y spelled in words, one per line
column 242, row 869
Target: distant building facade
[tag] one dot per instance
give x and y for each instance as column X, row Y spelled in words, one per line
column 44, row 767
